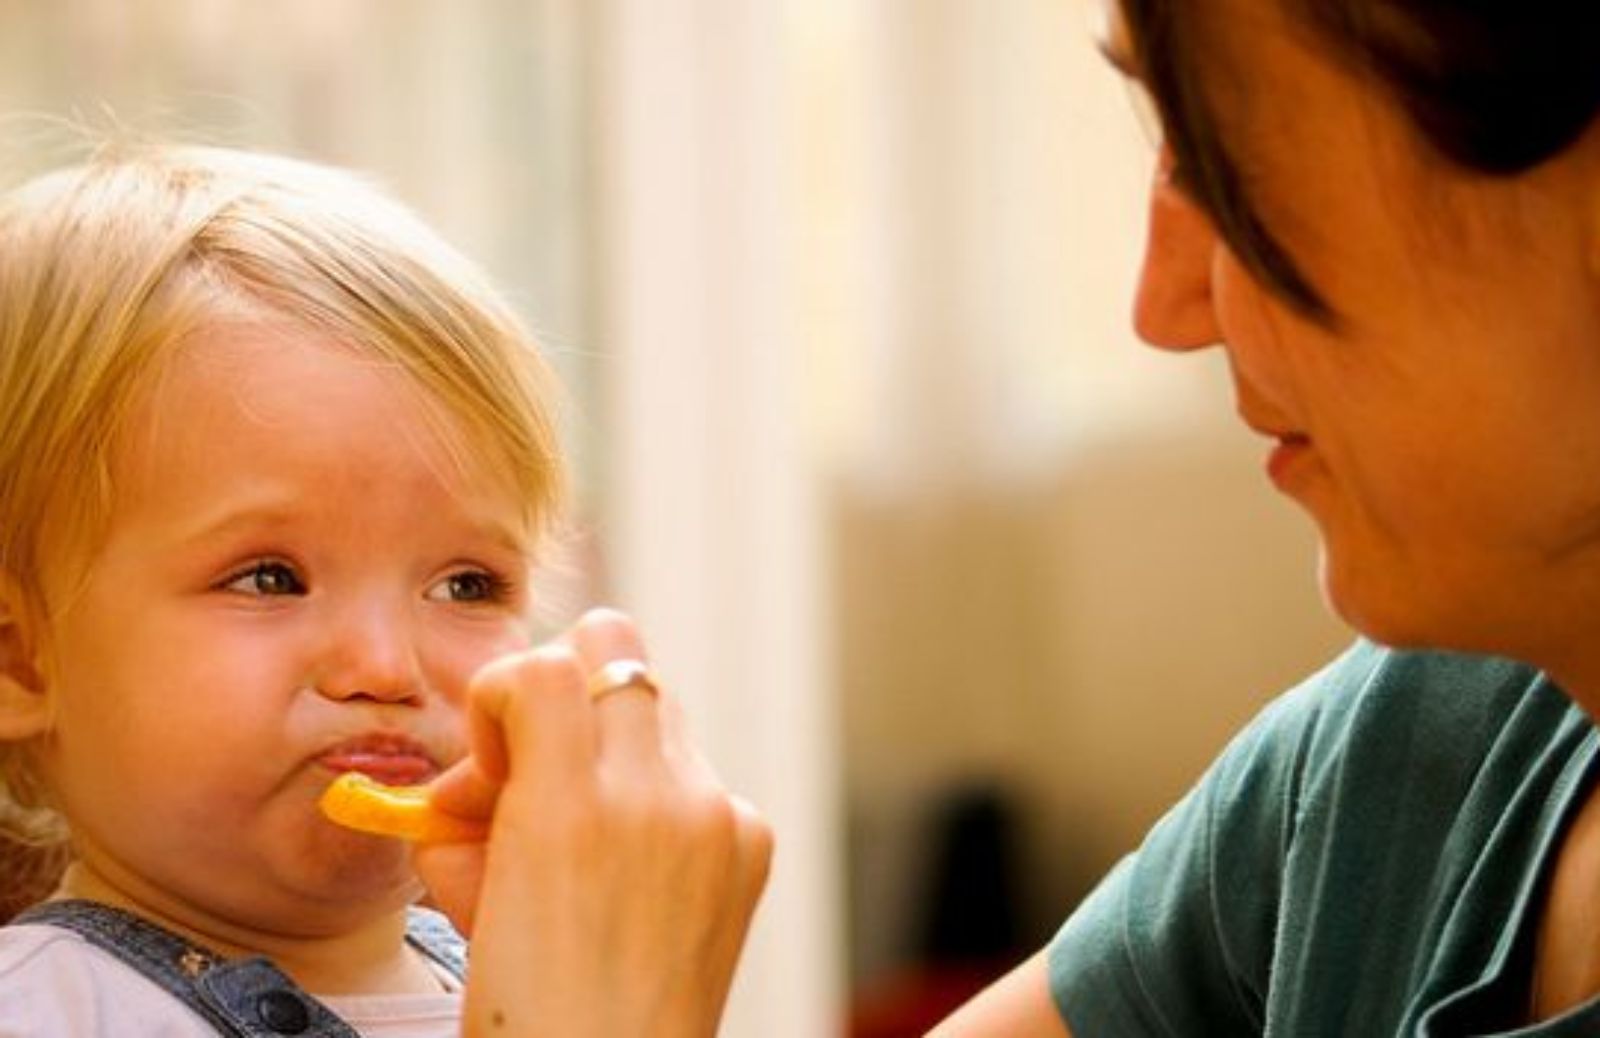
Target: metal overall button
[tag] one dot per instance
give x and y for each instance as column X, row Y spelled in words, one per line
column 283, row 1012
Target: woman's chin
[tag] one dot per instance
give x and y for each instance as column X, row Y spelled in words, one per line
column 1397, row 606
column 1368, row 600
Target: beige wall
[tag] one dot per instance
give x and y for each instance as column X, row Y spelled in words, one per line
column 1088, row 642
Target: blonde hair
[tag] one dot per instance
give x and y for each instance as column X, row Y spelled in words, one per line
column 107, row 266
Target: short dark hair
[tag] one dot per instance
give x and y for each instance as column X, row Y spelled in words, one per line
column 1493, row 86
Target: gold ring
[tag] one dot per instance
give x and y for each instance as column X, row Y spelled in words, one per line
column 620, row 675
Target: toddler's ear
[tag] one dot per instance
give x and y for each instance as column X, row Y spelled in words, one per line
column 23, row 704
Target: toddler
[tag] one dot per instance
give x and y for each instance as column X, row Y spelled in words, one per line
column 274, row 463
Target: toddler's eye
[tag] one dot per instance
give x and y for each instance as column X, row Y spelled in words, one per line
column 267, row 578
column 470, row 585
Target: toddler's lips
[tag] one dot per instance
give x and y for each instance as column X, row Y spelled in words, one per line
column 393, row 760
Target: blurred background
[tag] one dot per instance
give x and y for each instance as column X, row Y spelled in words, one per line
column 962, row 586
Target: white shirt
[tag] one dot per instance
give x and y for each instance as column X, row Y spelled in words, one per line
column 54, row 983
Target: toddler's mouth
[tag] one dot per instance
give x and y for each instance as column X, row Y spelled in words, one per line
column 387, row 757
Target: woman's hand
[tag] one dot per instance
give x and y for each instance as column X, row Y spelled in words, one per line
column 617, row 884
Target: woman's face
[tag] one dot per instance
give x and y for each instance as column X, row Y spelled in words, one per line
column 1445, row 434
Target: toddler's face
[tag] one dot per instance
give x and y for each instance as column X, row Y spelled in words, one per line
column 297, row 580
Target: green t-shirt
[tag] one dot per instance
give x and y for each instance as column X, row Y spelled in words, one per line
column 1365, row 859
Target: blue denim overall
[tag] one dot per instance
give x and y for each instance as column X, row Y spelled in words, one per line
column 247, row 998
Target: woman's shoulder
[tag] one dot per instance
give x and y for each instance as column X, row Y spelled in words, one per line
column 1417, row 710
column 1347, row 797
column 1382, row 752
column 1368, row 676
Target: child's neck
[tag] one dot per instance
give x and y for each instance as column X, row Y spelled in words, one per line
column 373, row 960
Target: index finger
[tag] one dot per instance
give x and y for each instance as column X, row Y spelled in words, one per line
column 524, row 711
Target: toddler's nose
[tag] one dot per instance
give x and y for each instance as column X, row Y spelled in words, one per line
column 370, row 654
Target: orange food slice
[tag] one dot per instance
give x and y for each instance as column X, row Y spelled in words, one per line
column 359, row 802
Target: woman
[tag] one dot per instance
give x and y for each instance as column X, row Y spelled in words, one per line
column 1387, row 214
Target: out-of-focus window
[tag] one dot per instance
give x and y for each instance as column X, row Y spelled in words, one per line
column 470, row 111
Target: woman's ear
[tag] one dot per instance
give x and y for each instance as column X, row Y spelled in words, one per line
column 24, row 705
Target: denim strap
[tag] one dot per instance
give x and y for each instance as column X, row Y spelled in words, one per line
column 431, row 933
column 245, row 998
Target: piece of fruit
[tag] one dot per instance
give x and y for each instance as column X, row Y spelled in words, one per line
column 359, row 802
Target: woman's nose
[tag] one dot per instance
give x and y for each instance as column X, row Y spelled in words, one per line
column 1173, row 308
column 369, row 653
